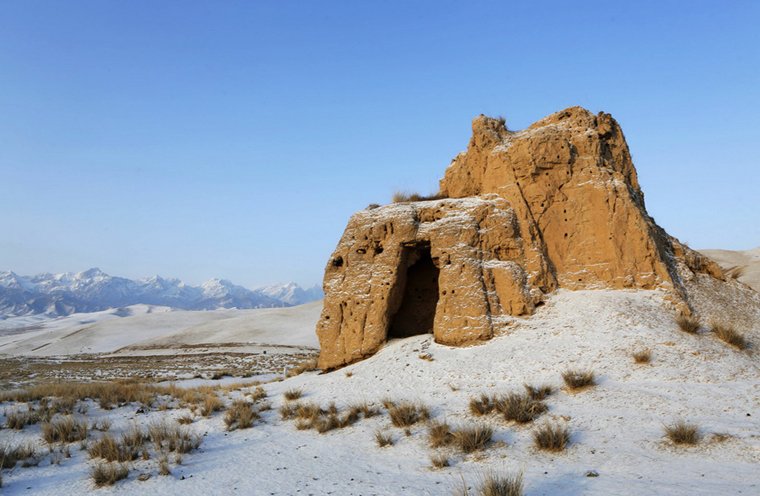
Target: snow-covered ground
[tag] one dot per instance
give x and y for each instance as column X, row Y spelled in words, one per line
column 617, row 426
column 158, row 330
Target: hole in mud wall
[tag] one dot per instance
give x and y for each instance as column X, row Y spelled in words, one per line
column 420, row 297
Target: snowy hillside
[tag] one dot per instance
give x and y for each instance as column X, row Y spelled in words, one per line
column 94, row 290
column 152, row 330
column 617, row 443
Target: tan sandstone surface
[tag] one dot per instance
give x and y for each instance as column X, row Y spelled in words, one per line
column 524, row 213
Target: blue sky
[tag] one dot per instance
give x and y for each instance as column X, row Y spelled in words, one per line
column 234, row 139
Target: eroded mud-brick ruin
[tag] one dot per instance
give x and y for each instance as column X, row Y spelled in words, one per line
column 557, row 205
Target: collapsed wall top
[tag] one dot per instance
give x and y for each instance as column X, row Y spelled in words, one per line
column 522, row 213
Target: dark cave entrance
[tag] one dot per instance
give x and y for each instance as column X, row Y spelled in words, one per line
column 416, row 313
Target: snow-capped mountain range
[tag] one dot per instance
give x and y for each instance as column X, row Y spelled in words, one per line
column 93, row 290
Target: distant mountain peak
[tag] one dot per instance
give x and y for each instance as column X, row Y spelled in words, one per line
column 94, row 290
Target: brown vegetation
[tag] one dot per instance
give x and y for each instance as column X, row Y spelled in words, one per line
column 682, row 432
column 688, row 324
column 577, row 380
column 551, row 437
column 729, row 335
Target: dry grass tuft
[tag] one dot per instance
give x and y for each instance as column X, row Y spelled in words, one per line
column 737, row 271
column 577, row 379
column 163, row 466
column 682, row 432
column 111, row 450
column 10, row 455
column 403, row 196
column 302, row 367
column 439, row 434
column 481, row 406
column 293, row 394
column 383, row 439
column 328, row 423
column 551, row 437
column 106, row 474
column 520, row 408
column 729, row 335
column 211, row 404
column 472, row 438
column 439, row 461
column 643, row 356
column 258, row 394
column 501, row 485
column 185, row 419
column 538, row 393
column 405, row 413
column 240, row 415
column 172, row 437
column 64, row 429
column 688, row 324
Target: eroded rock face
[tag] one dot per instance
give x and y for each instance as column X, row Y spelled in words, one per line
column 555, row 205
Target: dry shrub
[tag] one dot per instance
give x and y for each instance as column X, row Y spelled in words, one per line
column 293, row 394
column 64, row 429
column 578, row 380
column 552, row 437
column 520, row 408
column 481, row 406
column 538, row 393
column 10, row 454
column 439, row 461
column 383, row 439
column 688, row 324
column 472, row 438
column 439, row 434
column 643, row 356
column 729, row 335
column 106, row 474
column 405, row 413
column 682, row 432
column 240, row 415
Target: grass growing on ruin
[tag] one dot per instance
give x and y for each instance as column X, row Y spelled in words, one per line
column 403, row 196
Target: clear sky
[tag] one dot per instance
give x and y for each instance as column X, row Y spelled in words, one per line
column 234, row 139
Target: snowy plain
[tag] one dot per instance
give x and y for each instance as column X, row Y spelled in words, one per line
column 617, row 426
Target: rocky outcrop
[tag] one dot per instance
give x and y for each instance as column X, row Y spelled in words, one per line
column 555, row 205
